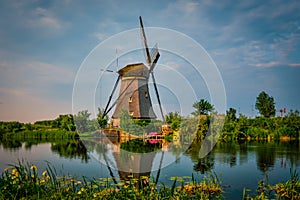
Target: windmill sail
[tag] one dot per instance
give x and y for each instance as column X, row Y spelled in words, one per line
column 134, row 94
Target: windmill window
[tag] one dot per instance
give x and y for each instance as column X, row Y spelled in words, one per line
column 146, row 94
column 130, row 99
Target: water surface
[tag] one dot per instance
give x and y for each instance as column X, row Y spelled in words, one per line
column 239, row 165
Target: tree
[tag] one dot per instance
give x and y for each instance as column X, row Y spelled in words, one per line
column 202, row 107
column 81, row 120
column 65, row 122
column 231, row 114
column 174, row 120
column 102, row 120
column 265, row 105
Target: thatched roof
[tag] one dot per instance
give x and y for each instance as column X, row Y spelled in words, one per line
column 136, row 70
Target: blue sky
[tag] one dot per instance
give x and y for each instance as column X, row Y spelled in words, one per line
column 255, row 45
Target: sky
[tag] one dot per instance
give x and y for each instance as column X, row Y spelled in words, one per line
column 254, row 44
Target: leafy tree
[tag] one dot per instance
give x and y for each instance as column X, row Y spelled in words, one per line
column 28, row 127
column 292, row 120
column 13, row 126
column 65, row 122
column 102, row 121
column 81, row 120
column 202, row 107
column 231, row 114
column 265, row 105
column 174, row 120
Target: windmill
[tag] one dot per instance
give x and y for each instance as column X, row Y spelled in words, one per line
column 134, row 94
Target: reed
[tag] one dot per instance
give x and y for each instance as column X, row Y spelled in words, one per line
column 287, row 190
column 25, row 181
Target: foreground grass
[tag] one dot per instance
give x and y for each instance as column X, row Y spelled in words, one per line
column 288, row 190
column 25, row 181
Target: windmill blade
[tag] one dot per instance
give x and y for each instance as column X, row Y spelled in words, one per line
column 144, row 41
column 110, row 171
column 157, row 95
column 154, row 62
column 108, row 110
column 160, row 164
column 108, row 70
column 154, row 52
column 110, row 97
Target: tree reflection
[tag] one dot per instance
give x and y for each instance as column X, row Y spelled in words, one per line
column 70, row 149
column 140, row 146
column 266, row 157
column 202, row 165
column 12, row 144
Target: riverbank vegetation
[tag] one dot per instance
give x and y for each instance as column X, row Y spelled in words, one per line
column 25, row 181
column 287, row 190
column 61, row 127
column 236, row 126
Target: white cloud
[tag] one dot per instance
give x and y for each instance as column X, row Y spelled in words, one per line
column 294, row 64
column 190, row 7
column 269, row 64
column 46, row 19
column 101, row 36
column 276, row 64
column 25, row 15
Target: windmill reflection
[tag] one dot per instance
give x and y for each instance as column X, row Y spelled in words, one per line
column 132, row 158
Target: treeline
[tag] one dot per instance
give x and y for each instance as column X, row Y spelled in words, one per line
column 62, row 122
column 61, row 127
column 241, row 127
column 265, row 126
column 64, row 126
column 285, row 127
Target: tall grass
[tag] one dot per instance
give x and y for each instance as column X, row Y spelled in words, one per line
column 25, row 181
column 288, row 190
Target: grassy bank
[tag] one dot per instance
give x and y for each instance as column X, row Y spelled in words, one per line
column 25, row 181
column 42, row 134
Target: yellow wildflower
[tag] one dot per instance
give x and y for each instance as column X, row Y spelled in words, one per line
column 73, row 180
column 47, row 177
column 15, row 173
column 6, row 169
column 33, row 167
column 79, row 182
column 44, row 173
column 42, row 181
column 79, row 192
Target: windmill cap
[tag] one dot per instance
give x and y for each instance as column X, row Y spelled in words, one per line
column 138, row 69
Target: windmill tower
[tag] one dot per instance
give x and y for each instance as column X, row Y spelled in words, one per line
column 134, row 94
